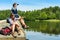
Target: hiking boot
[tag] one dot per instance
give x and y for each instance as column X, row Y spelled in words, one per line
column 19, row 32
column 14, row 35
column 26, row 27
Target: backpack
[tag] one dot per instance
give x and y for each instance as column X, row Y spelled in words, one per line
column 8, row 21
column 5, row 31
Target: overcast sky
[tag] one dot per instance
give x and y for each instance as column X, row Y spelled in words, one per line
column 28, row 4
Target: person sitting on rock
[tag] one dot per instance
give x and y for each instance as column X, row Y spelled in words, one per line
column 13, row 24
column 17, row 17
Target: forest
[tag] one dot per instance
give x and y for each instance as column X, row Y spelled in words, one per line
column 42, row 14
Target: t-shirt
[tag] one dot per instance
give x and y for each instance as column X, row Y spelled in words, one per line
column 14, row 11
column 10, row 21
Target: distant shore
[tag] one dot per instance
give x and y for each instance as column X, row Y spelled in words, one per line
column 50, row 20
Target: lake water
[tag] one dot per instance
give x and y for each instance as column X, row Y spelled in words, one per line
column 43, row 30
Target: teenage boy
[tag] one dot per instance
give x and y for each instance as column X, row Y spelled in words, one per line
column 17, row 17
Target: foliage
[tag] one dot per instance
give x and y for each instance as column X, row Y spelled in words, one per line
column 43, row 14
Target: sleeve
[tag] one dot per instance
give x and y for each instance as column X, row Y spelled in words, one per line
column 10, row 21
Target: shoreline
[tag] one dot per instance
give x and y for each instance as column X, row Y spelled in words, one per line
column 50, row 20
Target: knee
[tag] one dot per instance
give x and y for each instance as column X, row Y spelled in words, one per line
column 20, row 17
column 13, row 23
column 16, row 25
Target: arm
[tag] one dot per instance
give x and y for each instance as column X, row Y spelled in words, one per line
column 12, row 13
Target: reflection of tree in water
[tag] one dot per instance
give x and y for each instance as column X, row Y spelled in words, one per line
column 44, row 27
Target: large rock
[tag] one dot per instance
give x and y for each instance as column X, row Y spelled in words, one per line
column 3, row 23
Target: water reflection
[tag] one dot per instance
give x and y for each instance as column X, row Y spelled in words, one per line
column 41, row 36
column 44, row 27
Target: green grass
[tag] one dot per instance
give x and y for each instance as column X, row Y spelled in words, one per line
column 52, row 20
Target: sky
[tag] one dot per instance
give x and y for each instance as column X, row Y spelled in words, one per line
column 26, row 5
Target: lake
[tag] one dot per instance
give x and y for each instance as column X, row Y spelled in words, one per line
column 43, row 30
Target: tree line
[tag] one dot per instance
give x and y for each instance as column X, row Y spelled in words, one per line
column 43, row 14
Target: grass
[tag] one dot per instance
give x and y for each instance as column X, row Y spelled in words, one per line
column 52, row 20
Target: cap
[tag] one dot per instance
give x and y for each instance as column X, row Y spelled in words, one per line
column 15, row 4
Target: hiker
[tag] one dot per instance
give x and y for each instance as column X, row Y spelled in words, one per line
column 13, row 24
column 14, row 11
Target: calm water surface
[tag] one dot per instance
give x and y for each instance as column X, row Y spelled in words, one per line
column 43, row 30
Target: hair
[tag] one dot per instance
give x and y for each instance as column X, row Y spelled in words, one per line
column 11, row 15
column 14, row 4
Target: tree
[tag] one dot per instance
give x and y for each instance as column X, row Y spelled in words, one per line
column 43, row 15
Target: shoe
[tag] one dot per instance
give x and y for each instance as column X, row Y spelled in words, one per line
column 14, row 35
column 26, row 27
column 18, row 32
